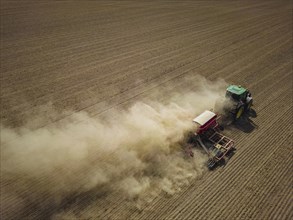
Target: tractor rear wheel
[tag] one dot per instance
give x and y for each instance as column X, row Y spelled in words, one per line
column 248, row 106
column 239, row 112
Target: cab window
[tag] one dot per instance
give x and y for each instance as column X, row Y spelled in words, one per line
column 232, row 96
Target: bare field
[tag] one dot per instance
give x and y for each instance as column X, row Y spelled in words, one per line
column 77, row 74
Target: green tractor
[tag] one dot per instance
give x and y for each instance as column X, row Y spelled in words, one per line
column 241, row 100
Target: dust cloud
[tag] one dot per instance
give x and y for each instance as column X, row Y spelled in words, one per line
column 139, row 151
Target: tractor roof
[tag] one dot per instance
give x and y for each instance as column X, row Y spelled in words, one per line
column 204, row 117
column 238, row 90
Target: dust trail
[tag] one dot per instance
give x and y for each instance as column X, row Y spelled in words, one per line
column 138, row 152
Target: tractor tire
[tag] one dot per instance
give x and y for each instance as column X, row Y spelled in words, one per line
column 239, row 112
column 248, row 106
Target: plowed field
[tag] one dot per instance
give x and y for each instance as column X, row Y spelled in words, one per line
column 101, row 57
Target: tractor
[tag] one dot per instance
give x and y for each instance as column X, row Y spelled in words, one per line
column 208, row 136
column 241, row 100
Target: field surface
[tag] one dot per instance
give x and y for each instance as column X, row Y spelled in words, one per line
column 96, row 56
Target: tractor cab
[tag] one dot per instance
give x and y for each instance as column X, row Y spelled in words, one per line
column 242, row 99
column 236, row 93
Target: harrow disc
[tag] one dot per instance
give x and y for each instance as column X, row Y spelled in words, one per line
column 211, row 163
